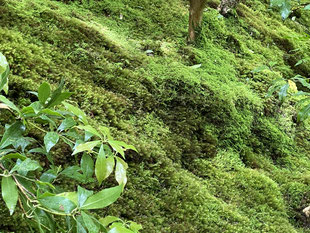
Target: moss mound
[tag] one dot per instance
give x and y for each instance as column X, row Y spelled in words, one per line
column 214, row 154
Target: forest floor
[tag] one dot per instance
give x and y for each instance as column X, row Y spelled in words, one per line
column 215, row 155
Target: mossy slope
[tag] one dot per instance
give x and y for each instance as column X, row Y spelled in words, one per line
column 214, row 154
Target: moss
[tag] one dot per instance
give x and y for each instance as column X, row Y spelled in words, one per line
column 214, row 154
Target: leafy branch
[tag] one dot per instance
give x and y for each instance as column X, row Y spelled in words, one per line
column 26, row 181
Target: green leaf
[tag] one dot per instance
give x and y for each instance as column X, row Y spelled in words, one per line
column 272, row 90
column 104, row 166
column 44, row 92
column 135, row 227
column 119, row 229
column 23, row 142
column 302, row 80
column 9, row 193
column 9, row 103
column 3, row 63
column 28, row 112
column 72, row 196
column 88, row 146
column 37, row 106
column 43, row 119
column 45, row 219
column 74, row 173
column 89, row 223
column 117, row 146
column 285, row 9
column 4, row 73
column 300, row 62
column 45, row 184
column 304, row 113
column 106, row 132
column 6, row 151
column 120, row 171
column 87, row 136
column 58, row 203
column 50, row 112
column 125, row 145
column 13, row 156
column 283, row 5
column 108, row 220
column 83, row 194
column 48, row 176
column 38, row 150
column 26, row 166
column 56, row 94
column 87, row 165
column 4, row 82
column 307, row 7
column 79, row 225
column 11, row 134
column 68, row 142
column 50, row 140
column 90, row 129
column 77, row 112
column 103, row 198
column 66, row 124
column 59, row 99
column 283, row 92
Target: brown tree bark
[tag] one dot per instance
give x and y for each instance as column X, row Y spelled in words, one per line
column 227, row 5
column 195, row 17
column 196, row 12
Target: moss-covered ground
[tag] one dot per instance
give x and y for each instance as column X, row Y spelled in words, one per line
column 215, row 155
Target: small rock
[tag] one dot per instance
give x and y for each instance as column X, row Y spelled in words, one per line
column 307, row 211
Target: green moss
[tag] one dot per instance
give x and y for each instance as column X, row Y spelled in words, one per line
column 214, row 154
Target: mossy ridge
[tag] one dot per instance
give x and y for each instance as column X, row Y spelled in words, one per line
column 174, row 115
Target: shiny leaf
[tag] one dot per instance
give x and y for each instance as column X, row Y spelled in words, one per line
column 9, row 193
column 103, row 198
column 119, row 229
column 58, row 203
column 26, row 166
column 108, row 220
column 9, row 103
column 11, row 134
column 87, row 165
column 88, row 146
column 77, row 112
column 90, row 129
column 83, row 194
column 117, row 147
column 50, row 140
column 104, row 166
column 44, row 92
column 89, row 223
column 120, row 171
column 66, row 124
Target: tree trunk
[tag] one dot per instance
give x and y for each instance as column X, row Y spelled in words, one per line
column 226, row 5
column 195, row 17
